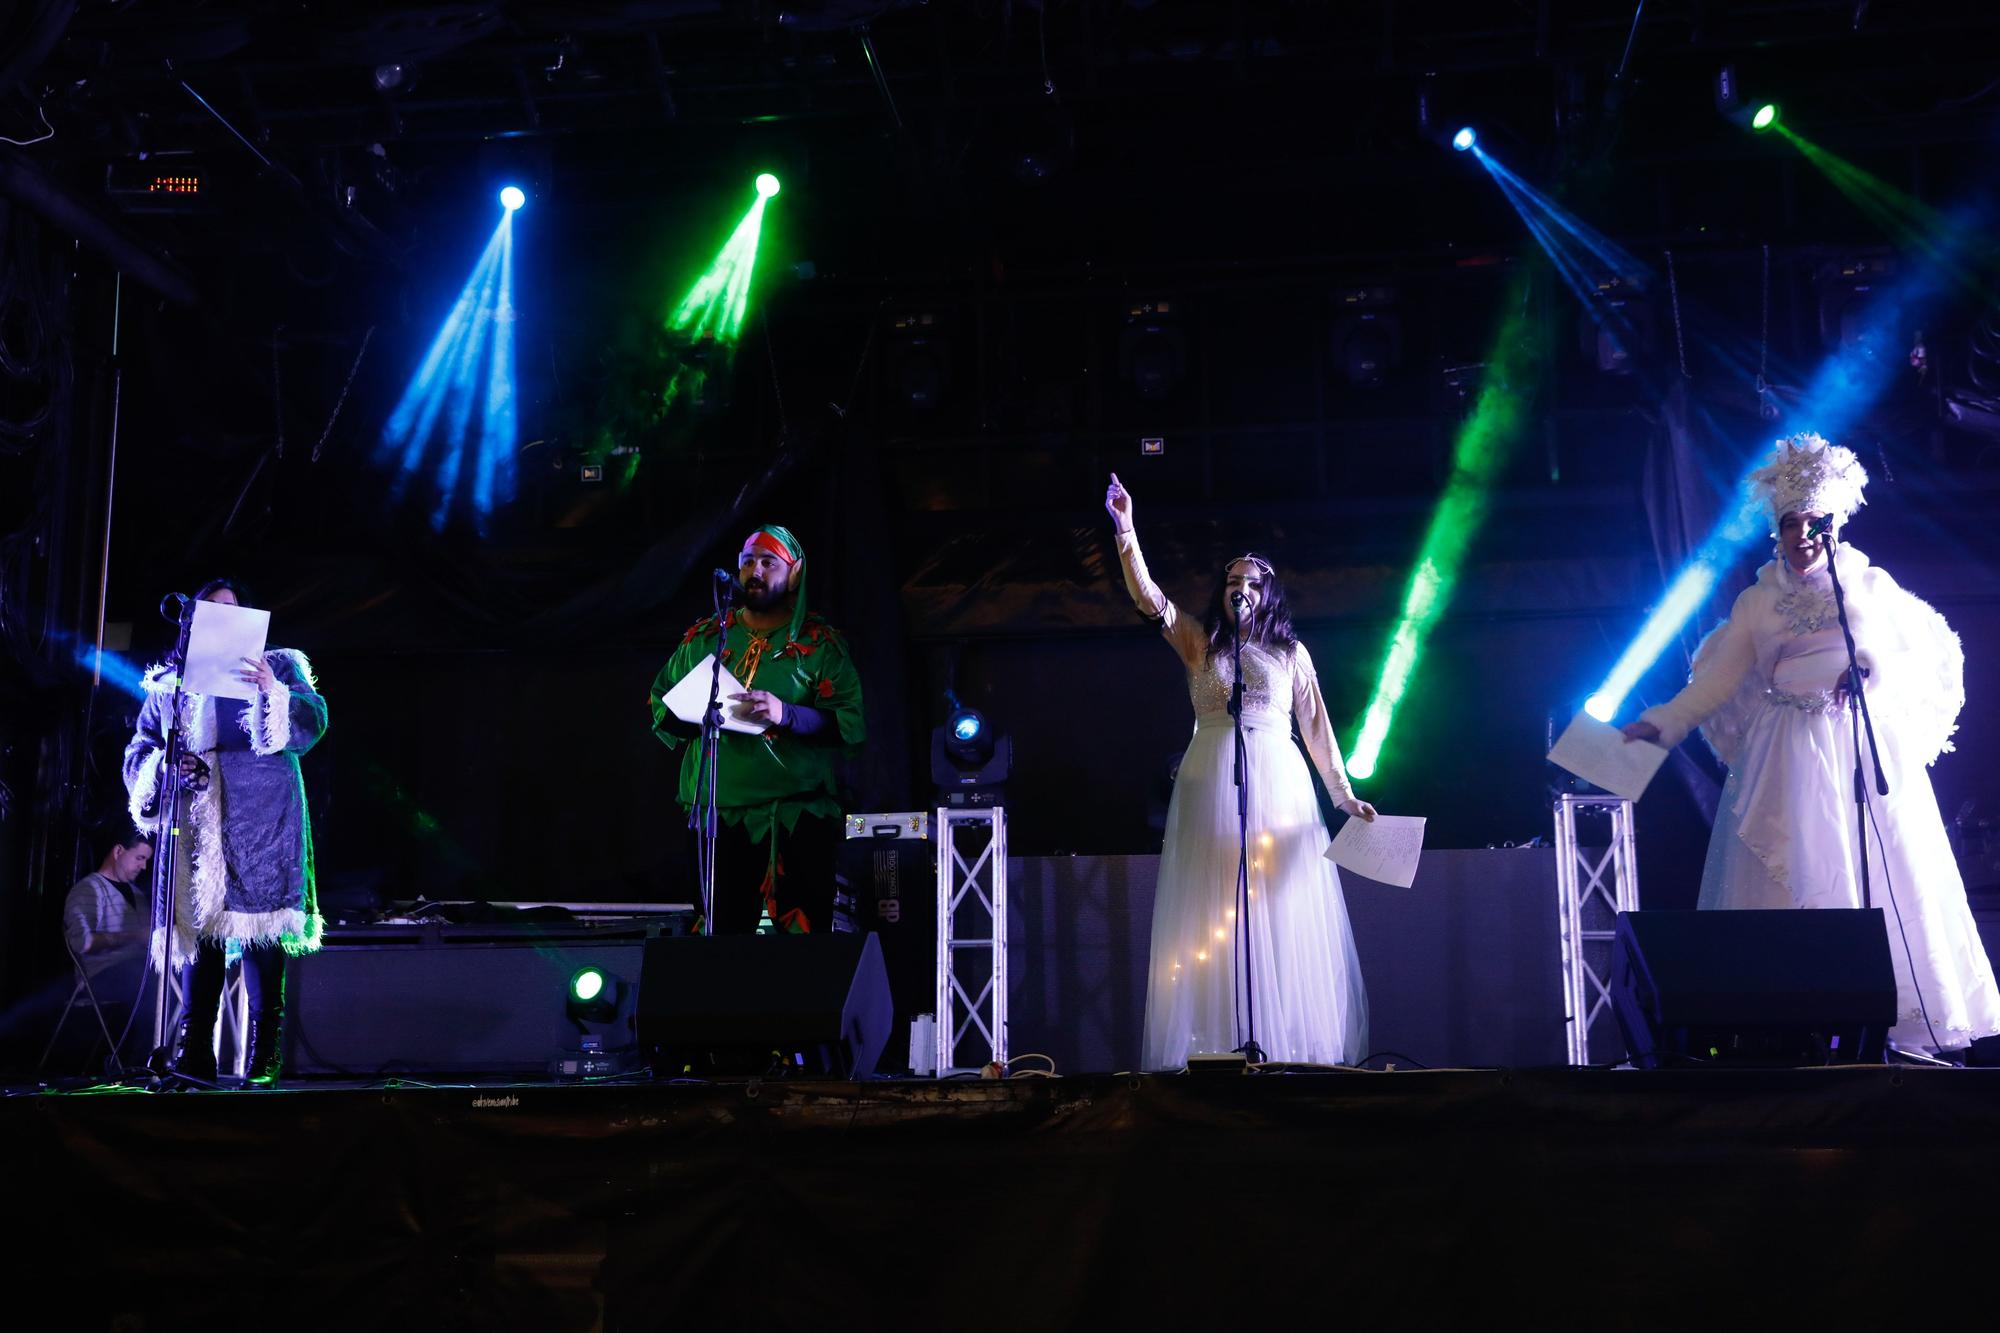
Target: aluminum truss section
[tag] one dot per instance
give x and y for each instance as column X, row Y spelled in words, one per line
column 971, row 938
column 1593, row 885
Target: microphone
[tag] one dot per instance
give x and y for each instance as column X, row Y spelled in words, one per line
column 1819, row 527
column 173, row 606
column 724, row 576
column 1239, row 600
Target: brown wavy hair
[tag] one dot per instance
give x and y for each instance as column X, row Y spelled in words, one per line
column 1269, row 626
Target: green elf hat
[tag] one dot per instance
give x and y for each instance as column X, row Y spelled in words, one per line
column 781, row 543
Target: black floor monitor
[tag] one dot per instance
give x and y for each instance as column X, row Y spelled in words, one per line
column 1763, row 987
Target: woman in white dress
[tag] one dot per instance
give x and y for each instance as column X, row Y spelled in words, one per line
column 1310, row 1007
column 1769, row 691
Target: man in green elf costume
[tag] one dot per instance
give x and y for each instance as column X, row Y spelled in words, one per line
column 779, row 829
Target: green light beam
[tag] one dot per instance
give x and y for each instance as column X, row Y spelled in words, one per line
column 720, row 297
column 1908, row 221
column 1482, row 447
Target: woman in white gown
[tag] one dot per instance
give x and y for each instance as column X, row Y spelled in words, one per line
column 1309, row 1003
column 1769, row 693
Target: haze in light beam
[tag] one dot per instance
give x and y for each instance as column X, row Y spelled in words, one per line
column 1477, row 456
column 1846, row 386
column 716, row 304
column 468, row 369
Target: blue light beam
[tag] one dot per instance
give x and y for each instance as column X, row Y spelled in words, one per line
column 1842, row 391
column 499, row 430
column 111, row 668
column 1589, row 262
column 437, row 407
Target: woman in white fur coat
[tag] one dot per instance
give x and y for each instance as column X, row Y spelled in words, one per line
column 1769, row 692
column 246, row 859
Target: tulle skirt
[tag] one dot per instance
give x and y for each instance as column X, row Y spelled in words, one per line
column 1785, row 836
column 1309, row 1003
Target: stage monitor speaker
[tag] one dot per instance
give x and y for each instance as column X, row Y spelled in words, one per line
column 1777, row 988
column 367, row 1008
column 745, row 1004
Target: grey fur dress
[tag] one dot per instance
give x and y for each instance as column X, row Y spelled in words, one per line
column 246, row 856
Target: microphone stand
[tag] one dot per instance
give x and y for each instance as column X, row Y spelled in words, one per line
column 166, row 850
column 1252, row 1052
column 702, row 816
column 1857, row 705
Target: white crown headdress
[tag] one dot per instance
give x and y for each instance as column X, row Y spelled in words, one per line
column 1810, row 476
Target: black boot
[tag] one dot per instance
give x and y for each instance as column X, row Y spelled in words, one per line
column 201, row 993
column 264, row 980
column 267, row 1048
column 194, row 1056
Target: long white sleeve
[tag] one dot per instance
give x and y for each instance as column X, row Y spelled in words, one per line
column 1309, row 710
column 1726, row 658
column 1180, row 630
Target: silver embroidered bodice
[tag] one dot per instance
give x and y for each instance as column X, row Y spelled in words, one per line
column 1267, row 682
column 1812, row 656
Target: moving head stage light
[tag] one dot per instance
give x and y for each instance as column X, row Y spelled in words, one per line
column 970, row 759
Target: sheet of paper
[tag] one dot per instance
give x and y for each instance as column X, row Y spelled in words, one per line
column 1598, row 753
column 688, row 699
column 220, row 638
column 1386, row 851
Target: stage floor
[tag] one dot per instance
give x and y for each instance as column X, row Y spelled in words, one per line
column 1611, row 1198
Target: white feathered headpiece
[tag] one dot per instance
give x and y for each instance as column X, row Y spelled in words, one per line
column 1810, row 476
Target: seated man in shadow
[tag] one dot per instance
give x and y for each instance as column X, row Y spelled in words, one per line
column 107, row 922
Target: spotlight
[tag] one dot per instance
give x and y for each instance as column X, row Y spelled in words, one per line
column 970, row 744
column 593, row 996
column 1465, row 138
column 1733, row 100
column 1599, row 707
column 512, row 197
column 598, row 1004
column 970, row 760
column 767, row 185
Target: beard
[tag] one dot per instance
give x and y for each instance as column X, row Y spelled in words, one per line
column 762, row 596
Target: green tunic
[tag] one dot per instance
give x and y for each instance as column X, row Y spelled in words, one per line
column 776, row 777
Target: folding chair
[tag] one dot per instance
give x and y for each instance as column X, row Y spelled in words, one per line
column 231, row 1031
column 84, row 992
